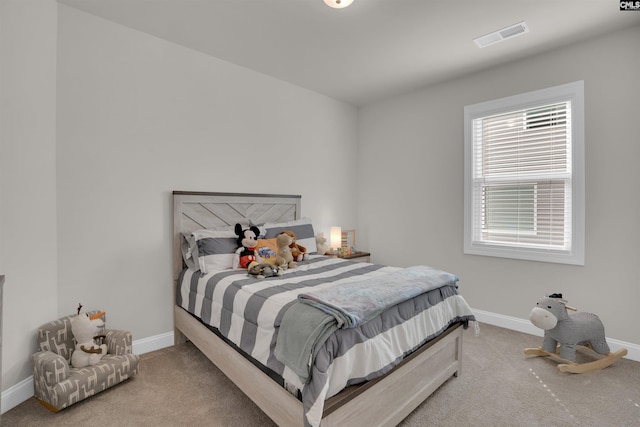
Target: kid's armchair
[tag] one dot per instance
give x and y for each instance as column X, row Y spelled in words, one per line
column 57, row 384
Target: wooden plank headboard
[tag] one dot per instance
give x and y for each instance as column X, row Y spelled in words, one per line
column 197, row 210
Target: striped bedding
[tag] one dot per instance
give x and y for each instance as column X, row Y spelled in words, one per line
column 248, row 312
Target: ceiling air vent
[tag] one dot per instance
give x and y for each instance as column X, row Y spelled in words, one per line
column 503, row 34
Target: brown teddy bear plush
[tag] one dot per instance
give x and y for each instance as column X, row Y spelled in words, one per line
column 298, row 252
column 284, row 258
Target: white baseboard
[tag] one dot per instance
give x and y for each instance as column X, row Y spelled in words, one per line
column 15, row 395
column 525, row 326
column 157, row 342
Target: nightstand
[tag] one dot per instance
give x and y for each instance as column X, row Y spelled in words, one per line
column 358, row 256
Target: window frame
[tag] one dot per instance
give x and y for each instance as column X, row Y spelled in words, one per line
column 573, row 92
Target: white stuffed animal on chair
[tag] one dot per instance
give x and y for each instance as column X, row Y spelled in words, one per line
column 86, row 329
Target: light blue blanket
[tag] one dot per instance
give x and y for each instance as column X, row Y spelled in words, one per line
column 355, row 303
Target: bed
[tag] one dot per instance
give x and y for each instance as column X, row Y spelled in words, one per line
column 215, row 310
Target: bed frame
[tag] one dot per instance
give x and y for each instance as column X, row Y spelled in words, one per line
column 382, row 402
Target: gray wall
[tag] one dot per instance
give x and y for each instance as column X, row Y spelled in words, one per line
column 139, row 117
column 28, row 232
column 410, row 155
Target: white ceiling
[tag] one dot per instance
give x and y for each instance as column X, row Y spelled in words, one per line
column 372, row 49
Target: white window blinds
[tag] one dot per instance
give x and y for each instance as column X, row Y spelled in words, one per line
column 524, row 183
column 522, row 177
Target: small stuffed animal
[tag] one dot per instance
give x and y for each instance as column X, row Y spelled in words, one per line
column 247, row 241
column 264, row 269
column 299, row 252
column 86, row 329
column 284, row 258
column 321, row 243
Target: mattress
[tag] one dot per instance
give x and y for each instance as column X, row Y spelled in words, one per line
column 248, row 313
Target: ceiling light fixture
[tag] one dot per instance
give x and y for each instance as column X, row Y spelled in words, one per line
column 338, row 4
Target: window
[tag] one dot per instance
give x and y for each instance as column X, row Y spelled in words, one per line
column 524, row 176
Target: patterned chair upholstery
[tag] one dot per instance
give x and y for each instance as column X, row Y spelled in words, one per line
column 58, row 385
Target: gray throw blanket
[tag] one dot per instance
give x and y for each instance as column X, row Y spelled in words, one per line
column 302, row 332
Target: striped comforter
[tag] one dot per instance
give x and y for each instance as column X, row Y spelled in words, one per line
column 248, row 312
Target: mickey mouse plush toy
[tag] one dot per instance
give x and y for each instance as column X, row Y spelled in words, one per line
column 247, row 242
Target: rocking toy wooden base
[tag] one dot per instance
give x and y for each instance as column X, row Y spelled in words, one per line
column 579, row 368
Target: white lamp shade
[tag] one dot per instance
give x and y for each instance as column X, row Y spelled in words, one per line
column 335, row 238
column 338, row 4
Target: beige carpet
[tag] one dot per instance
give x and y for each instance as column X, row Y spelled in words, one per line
column 499, row 386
